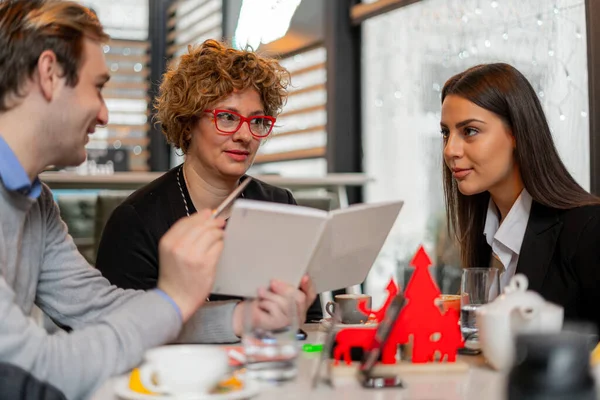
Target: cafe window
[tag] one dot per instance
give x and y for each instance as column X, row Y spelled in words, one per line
column 122, row 144
column 409, row 53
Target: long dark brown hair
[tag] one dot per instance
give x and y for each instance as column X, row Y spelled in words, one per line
column 503, row 90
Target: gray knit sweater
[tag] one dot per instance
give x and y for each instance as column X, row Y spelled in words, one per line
column 39, row 264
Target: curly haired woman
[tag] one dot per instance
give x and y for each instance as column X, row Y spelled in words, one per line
column 216, row 105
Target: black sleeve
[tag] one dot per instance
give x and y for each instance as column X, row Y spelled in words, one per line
column 314, row 313
column 17, row 384
column 586, row 262
column 291, row 199
column 128, row 253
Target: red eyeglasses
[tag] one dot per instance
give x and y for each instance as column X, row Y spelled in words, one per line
column 229, row 122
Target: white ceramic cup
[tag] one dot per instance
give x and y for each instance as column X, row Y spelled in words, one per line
column 183, row 369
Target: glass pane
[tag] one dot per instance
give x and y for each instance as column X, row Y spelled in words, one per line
column 122, row 19
column 122, row 144
column 425, row 44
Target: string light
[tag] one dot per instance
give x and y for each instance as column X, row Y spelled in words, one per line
column 497, row 25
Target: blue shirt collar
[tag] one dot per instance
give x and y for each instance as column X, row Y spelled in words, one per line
column 13, row 174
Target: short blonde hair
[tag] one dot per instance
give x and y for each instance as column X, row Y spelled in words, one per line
column 209, row 73
column 29, row 27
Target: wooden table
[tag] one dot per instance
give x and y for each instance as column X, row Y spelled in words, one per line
column 479, row 382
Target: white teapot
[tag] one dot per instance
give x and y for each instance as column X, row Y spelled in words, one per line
column 516, row 311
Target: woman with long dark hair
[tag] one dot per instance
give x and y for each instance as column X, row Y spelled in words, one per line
column 510, row 200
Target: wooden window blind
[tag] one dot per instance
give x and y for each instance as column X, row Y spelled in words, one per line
column 126, row 96
column 192, row 22
column 300, row 132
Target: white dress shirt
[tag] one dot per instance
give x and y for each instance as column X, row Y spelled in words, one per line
column 506, row 239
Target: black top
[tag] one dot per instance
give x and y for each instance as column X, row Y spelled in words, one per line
column 128, row 250
column 560, row 255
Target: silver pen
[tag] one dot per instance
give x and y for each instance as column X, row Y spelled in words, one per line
column 232, row 196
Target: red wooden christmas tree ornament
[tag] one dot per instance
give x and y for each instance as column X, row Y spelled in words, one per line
column 433, row 333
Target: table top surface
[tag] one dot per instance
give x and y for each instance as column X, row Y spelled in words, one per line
column 478, row 382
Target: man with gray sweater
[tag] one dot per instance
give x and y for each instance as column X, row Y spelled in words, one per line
column 52, row 70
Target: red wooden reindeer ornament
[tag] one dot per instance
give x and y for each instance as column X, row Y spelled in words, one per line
column 392, row 290
column 348, row 338
column 433, row 333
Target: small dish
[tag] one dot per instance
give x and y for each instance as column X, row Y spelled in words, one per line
column 326, row 323
column 123, row 392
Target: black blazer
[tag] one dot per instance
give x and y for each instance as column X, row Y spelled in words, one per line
column 560, row 256
column 128, row 249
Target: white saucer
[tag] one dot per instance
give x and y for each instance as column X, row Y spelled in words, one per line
column 251, row 389
column 326, row 322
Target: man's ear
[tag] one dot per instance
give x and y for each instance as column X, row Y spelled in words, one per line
column 49, row 73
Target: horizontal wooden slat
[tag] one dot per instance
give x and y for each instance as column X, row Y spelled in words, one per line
column 120, row 96
column 139, row 162
column 306, row 110
column 138, row 44
column 143, row 128
column 129, row 112
column 311, row 46
column 307, row 89
column 173, row 8
column 174, row 48
column 174, row 5
column 364, row 11
column 142, row 156
column 117, row 94
column 178, row 33
column 130, row 72
column 303, row 154
column 134, row 58
column 300, row 131
column 126, row 85
column 173, row 21
column 310, row 68
column 125, row 141
column 139, row 168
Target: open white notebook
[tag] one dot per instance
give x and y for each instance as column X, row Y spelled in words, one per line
column 265, row 241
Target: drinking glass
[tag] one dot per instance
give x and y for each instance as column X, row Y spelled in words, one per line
column 271, row 354
column 478, row 286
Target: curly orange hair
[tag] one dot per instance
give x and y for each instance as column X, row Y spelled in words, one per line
column 209, row 73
